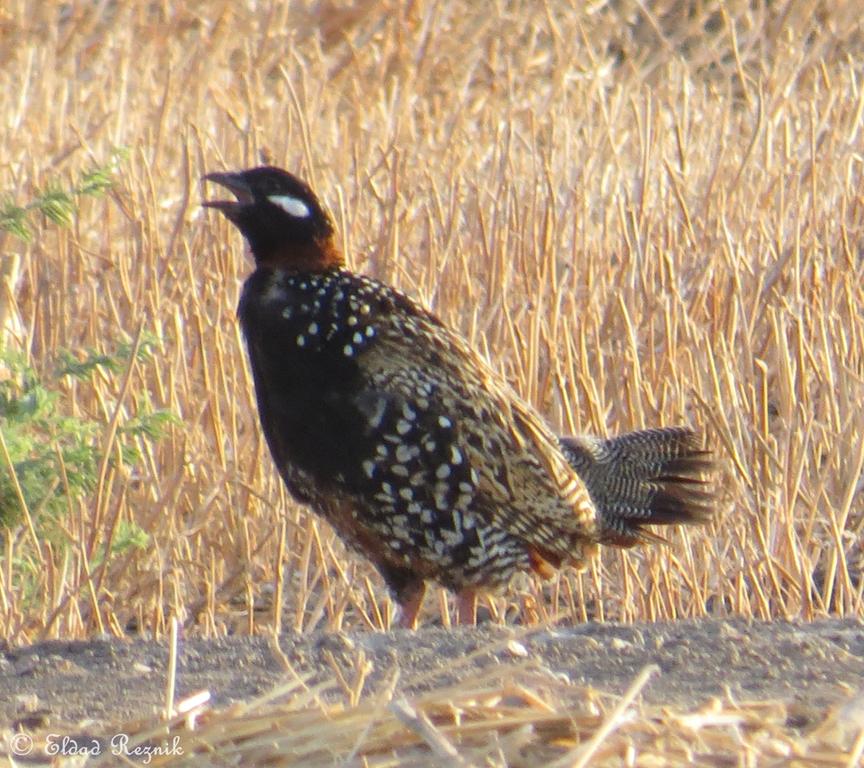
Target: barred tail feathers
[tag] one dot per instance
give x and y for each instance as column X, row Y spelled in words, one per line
column 648, row 477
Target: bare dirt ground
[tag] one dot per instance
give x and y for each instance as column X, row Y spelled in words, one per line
column 88, row 686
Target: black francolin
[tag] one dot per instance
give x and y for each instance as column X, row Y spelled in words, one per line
column 388, row 425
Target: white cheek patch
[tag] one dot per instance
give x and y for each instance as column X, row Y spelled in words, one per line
column 291, row 205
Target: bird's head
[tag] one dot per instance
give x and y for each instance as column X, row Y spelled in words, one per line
column 280, row 217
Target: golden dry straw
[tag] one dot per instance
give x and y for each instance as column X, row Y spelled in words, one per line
column 517, row 715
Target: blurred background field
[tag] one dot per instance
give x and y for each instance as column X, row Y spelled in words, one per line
column 644, row 214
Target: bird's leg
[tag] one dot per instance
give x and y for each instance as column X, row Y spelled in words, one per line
column 409, row 601
column 407, row 589
column 466, row 607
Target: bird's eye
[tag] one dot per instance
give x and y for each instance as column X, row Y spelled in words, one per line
column 293, row 206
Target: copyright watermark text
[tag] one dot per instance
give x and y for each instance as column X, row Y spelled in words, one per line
column 22, row 744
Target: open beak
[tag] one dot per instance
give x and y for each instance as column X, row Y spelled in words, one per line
column 235, row 183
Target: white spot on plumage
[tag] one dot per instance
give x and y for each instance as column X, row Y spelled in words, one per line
column 403, row 427
column 406, row 493
column 352, row 320
column 313, row 328
column 301, row 340
column 293, row 206
column 373, row 411
column 443, row 472
column 369, row 468
column 455, row 455
column 443, row 421
column 358, row 338
column 348, row 350
column 274, row 291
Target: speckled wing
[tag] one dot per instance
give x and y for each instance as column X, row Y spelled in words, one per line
column 514, row 473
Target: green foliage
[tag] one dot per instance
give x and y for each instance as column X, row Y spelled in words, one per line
column 129, row 536
column 13, row 219
column 56, row 203
column 55, row 456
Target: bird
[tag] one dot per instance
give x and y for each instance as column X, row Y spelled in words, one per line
column 392, row 428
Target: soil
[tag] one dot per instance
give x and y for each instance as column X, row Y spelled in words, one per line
column 93, row 685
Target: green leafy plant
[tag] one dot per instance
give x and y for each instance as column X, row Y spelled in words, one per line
column 51, row 455
column 56, row 202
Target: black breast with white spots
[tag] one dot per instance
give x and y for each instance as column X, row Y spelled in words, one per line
column 305, row 335
column 383, row 441
column 330, row 313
